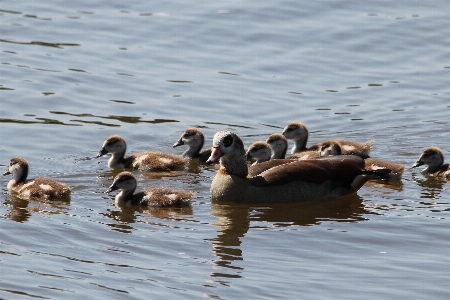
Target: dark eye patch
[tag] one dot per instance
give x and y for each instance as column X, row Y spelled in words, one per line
column 228, row 140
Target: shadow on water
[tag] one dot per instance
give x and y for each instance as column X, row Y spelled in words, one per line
column 234, row 220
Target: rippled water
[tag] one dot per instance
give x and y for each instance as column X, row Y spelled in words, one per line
column 73, row 73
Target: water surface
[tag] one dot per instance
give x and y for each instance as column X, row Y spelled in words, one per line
column 74, row 73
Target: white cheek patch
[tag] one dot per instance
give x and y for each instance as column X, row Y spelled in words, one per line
column 348, row 147
column 165, row 160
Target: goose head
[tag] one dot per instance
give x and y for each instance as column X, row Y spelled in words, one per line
column 125, row 181
column 259, row 151
column 330, row 148
column 193, row 138
column 114, row 144
column 278, row 143
column 18, row 167
column 228, row 149
column 226, row 145
column 432, row 157
column 298, row 132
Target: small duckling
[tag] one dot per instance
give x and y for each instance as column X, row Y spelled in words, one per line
column 298, row 132
column 259, row 151
column 37, row 188
column 276, row 145
column 333, row 148
column 194, row 139
column 279, row 144
column 157, row 197
column 434, row 159
column 146, row 161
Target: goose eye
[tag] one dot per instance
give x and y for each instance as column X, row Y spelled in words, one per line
column 228, row 140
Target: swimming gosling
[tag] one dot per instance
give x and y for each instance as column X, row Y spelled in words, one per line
column 34, row 188
column 157, row 197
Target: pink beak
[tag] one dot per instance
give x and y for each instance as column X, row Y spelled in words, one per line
column 215, row 155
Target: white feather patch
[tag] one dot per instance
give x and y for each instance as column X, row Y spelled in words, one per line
column 25, row 186
column 46, row 187
column 347, row 147
column 165, row 160
column 139, row 160
column 172, row 197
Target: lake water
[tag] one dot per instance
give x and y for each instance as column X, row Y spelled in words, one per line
column 73, row 73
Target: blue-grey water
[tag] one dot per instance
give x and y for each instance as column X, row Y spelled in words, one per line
column 74, row 72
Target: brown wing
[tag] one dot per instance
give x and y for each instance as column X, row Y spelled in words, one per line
column 342, row 169
column 264, row 166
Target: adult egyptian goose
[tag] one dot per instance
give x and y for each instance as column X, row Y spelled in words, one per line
column 34, row 188
column 194, row 139
column 298, row 132
column 333, row 147
column 284, row 182
column 158, row 197
column 146, row 161
column 433, row 158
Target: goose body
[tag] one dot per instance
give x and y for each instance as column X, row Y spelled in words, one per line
column 333, row 147
column 147, row 161
column 285, row 180
column 298, row 132
column 433, row 158
column 158, row 197
column 194, row 139
column 34, row 188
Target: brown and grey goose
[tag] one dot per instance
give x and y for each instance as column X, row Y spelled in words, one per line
column 286, row 180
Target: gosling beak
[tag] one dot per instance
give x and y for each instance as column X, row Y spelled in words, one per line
column 7, row 172
column 417, row 164
column 101, row 152
column 178, row 143
column 113, row 187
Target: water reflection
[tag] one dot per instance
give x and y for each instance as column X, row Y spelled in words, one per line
column 388, row 186
column 126, row 215
column 431, row 187
column 234, row 220
column 20, row 210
